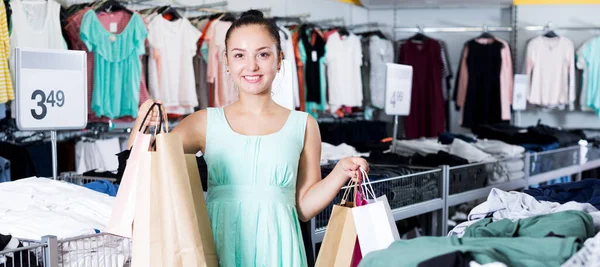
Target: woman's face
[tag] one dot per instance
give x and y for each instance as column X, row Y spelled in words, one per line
column 252, row 59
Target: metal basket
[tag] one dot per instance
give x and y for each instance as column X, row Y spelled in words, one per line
column 469, row 177
column 99, row 250
column 400, row 191
column 548, row 161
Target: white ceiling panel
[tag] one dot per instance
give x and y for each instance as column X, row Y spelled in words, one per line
column 374, row 4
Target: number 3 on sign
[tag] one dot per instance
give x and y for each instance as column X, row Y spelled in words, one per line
column 40, row 98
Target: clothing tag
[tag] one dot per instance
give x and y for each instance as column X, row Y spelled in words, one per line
column 113, row 27
column 314, row 56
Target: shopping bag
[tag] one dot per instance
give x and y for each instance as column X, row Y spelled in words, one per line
column 208, row 241
column 140, row 245
column 360, row 201
column 179, row 221
column 340, row 236
column 121, row 219
column 373, row 221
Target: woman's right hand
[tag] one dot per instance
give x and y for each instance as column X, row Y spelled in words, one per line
column 153, row 118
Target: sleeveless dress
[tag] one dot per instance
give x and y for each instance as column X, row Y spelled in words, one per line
column 252, row 193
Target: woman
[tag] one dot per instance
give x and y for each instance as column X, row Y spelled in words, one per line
column 263, row 159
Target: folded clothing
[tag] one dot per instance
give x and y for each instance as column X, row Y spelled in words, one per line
column 418, row 146
column 499, row 149
column 585, row 191
column 331, row 152
column 469, row 152
column 104, row 187
column 570, row 223
column 516, row 251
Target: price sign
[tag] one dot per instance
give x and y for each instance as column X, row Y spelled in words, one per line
column 51, row 89
column 398, row 89
column 283, row 86
column 520, row 89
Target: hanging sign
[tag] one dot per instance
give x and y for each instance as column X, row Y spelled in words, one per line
column 555, row 2
column 51, row 89
column 520, row 89
column 283, row 86
column 398, row 89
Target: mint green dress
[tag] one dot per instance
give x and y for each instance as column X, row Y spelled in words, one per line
column 252, row 193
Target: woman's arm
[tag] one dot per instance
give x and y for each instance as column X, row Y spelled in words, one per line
column 191, row 130
column 313, row 194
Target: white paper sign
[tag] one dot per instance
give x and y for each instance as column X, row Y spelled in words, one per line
column 398, row 89
column 520, row 92
column 51, row 89
column 283, row 86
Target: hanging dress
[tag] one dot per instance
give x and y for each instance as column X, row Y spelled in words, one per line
column 482, row 104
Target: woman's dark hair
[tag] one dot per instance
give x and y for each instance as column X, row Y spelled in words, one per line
column 255, row 17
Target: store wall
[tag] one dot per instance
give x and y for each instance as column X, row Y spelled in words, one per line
column 560, row 16
column 575, row 15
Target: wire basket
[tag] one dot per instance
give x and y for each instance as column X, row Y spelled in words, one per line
column 547, row 161
column 400, row 191
column 469, row 177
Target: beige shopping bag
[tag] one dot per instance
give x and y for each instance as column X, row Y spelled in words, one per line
column 168, row 217
column 208, row 242
column 121, row 219
column 340, row 237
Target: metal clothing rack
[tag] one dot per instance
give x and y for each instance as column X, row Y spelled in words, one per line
column 331, row 21
column 484, row 28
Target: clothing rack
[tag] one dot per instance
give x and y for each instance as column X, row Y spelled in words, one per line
column 331, row 21
column 548, row 27
column 484, row 28
column 211, row 10
column 366, row 25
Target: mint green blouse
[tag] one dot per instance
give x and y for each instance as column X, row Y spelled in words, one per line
column 117, row 65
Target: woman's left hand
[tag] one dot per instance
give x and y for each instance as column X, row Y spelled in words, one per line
column 350, row 168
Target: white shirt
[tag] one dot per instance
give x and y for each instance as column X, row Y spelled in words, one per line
column 171, row 66
column 381, row 51
column 288, row 54
column 551, row 66
column 34, row 25
column 344, row 58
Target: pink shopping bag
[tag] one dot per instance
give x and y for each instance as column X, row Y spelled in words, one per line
column 360, row 201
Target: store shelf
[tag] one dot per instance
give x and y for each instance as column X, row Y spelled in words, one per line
column 464, row 197
column 590, row 165
column 418, row 209
column 551, row 175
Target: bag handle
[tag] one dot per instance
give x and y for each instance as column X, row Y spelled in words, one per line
column 368, row 182
column 162, row 119
column 351, row 184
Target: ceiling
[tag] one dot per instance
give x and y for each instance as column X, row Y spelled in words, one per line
column 376, row 4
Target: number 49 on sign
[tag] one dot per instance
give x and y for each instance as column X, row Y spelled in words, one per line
column 41, row 100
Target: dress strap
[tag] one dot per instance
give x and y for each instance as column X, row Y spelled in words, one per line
column 298, row 121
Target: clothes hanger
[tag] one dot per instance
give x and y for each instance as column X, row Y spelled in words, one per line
column 485, row 33
column 420, row 36
column 548, row 31
column 112, row 5
column 169, row 10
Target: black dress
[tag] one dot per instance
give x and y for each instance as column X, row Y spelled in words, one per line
column 482, row 104
column 315, row 50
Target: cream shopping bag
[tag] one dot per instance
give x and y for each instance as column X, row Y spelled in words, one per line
column 340, row 236
column 375, row 225
column 208, row 242
column 120, row 222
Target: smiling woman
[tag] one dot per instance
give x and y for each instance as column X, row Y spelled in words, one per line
column 263, row 159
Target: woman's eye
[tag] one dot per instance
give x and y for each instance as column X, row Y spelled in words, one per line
column 238, row 55
column 263, row 55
